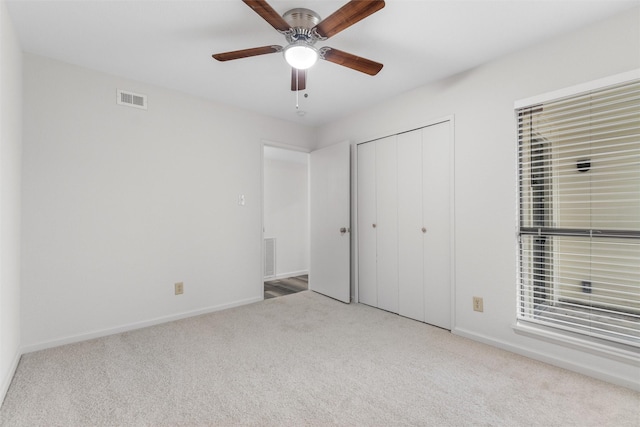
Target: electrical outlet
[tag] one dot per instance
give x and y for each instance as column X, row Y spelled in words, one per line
column 179, row 287
column 477, row 304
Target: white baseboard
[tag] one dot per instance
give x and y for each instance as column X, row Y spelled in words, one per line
column 571, row 365
column 6, row 381
column 287, row 275
column 132, row 326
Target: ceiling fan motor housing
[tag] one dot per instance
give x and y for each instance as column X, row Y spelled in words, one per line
column 302, row 22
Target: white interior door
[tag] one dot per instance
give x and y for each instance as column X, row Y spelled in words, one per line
column 387, row 223
column 437, row 219
column 329, row 264
column 367, row 241
column 410, row 224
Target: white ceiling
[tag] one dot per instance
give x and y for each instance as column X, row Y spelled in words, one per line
column 170, row 43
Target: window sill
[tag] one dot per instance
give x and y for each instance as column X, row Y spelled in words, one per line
column 620, row 352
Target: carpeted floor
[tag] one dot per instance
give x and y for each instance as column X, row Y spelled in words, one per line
column 303, row 359
column 288, row 286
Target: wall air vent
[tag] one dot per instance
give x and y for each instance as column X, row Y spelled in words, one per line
column 131, row 99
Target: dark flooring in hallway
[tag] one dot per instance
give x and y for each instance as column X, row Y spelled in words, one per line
column 281, row 287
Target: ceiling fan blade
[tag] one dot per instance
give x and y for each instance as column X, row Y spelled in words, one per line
column 246, row 53
column 267, row 13
column 348, row 60
column 347, row 15
column 298, row 79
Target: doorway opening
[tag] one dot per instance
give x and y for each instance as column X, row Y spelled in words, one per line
column 285, row 221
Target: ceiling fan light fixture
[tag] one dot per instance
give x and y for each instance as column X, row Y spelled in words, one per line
column 301, row 55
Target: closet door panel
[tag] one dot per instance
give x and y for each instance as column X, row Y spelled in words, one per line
column 410, row 236
column 437, row 219
column 387, row 223
column 367, row 270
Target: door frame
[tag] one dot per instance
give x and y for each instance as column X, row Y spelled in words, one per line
column 354, row 203
column 268, row 143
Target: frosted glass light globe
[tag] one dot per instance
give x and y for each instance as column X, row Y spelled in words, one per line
column 300, row 55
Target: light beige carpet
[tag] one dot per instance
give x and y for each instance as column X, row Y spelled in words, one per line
column 297, row 360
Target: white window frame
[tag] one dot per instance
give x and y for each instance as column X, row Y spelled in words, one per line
column 617, row 351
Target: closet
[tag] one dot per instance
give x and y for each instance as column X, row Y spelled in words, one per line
column 404, row 224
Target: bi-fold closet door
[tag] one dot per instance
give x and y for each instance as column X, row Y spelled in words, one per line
column 404, row 231
column 378, row 224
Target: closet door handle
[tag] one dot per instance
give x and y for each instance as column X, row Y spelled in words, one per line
column 424, row 230
column 373, row 225
column 343, row 230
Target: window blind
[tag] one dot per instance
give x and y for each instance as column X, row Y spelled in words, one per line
column 579, row 214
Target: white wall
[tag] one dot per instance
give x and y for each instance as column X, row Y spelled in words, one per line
column 286, row 210
column 121, row 203
column 485, row 171
column 10, row 154
column 118, row 203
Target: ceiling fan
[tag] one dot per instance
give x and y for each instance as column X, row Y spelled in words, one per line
column 303, row 28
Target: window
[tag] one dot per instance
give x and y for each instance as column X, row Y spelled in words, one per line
column 579, row 213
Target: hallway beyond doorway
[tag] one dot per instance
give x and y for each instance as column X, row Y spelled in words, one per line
column 281, row 287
